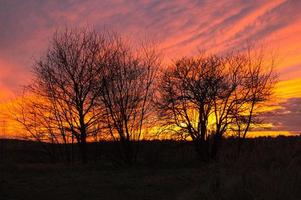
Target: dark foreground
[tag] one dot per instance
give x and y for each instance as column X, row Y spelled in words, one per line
column 267, row 169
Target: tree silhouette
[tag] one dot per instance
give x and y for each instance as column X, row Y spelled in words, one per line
column 205, row 97
column 127, row 91
column 87, row 84
column 67, row 78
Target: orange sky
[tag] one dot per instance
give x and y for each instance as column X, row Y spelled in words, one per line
column 180, row 26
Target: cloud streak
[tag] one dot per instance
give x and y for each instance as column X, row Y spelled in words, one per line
column 286, row 117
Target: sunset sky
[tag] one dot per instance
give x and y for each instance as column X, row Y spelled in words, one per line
column 180, row 26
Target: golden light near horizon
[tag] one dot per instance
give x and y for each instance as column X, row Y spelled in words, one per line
column 181, row 27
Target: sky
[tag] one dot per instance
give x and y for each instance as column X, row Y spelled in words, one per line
column 181, row 27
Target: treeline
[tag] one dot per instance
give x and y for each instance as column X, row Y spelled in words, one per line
column 92, row 86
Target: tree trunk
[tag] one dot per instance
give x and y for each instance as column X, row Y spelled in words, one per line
column 201, row 147
column 128, row 152
column 215, row 146
column 83, row 149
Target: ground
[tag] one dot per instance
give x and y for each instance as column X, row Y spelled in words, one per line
column 267, row 169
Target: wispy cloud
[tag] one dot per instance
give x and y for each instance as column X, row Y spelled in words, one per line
column 287, row 117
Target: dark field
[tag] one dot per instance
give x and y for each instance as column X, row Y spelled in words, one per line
column 268, row 168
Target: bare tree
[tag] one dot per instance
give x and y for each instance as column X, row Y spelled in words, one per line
column 67, row 78
column 127, row 91
column 37, row 118
column 258, row 88
column 203, row 98
column 186, row 102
